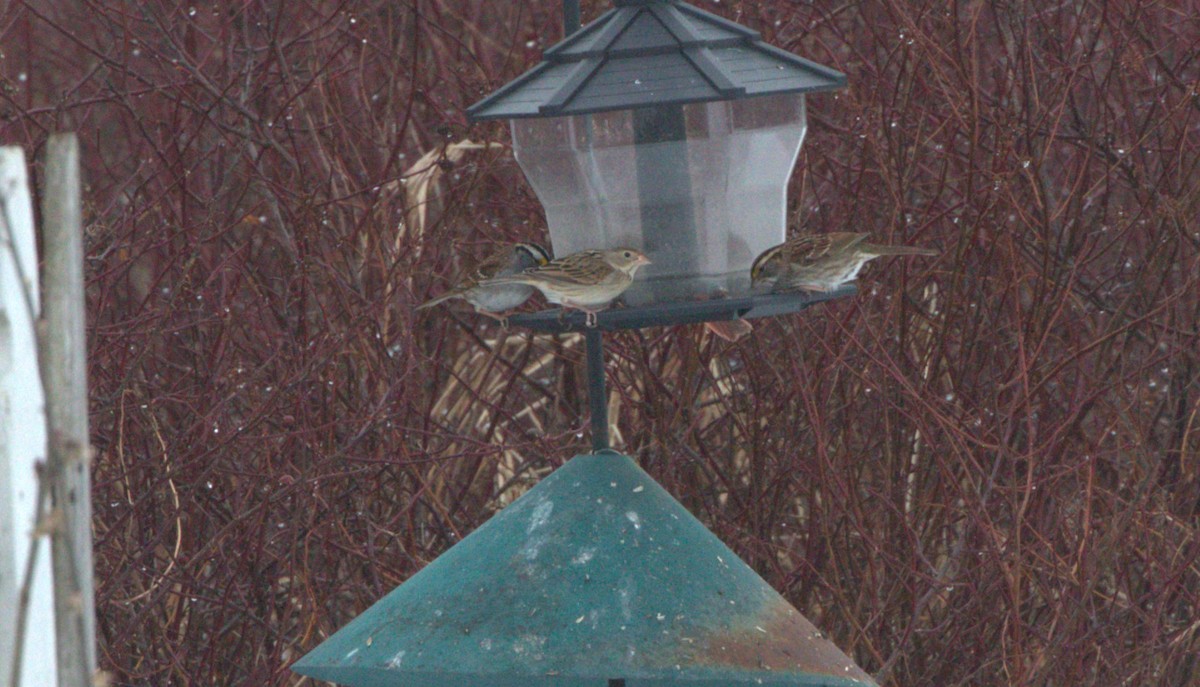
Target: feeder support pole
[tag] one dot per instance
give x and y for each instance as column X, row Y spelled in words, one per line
column 571, row 17
column 597, row 395
column 594, row 340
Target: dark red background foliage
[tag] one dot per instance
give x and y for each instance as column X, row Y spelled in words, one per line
column 981, row 471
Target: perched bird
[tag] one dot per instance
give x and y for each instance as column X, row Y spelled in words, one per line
column 496, row 300
column 818, row 262
column 588, row 280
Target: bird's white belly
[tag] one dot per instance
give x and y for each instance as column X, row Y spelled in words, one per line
column 500, row 298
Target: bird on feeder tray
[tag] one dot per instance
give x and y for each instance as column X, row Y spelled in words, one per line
column 819, row 262
column 496, row 300
column 588, row 280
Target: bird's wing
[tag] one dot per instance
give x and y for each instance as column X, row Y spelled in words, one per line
column 474, row 273
column 586, row 267
column 490, row 266
column 809, row 248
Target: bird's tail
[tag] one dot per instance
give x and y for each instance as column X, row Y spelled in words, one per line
column 440, row 299
column 897, row 250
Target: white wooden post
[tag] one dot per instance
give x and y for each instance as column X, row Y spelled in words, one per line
column 22, row 441
column 63, row 363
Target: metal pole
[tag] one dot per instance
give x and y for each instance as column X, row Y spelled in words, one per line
column 597, row 395
column 593, row 338
column 571, row 17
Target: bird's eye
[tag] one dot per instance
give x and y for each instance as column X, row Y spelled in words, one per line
column 628, row 254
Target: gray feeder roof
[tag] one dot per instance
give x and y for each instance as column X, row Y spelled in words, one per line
column 653, row 52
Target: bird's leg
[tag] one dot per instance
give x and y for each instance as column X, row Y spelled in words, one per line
column 485, row 313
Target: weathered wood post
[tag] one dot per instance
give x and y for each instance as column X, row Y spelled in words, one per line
column 64, row 376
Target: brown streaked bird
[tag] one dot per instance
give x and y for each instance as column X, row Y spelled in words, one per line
column 588, row 280
column 819, row 262
column 496, row 300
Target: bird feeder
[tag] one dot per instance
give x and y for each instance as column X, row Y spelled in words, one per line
column 664, row 128
column 668, row 129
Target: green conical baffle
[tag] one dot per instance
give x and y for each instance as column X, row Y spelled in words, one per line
column 596, row 577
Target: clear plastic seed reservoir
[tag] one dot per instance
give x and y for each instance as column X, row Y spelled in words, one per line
column 700, row 188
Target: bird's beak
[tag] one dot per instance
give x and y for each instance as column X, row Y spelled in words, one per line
column 643, row 260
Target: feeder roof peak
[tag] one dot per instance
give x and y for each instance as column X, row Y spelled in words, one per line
column 653, row 52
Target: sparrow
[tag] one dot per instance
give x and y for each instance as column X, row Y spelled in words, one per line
column 496, row 300
column 588, row 280
column 818, row 262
